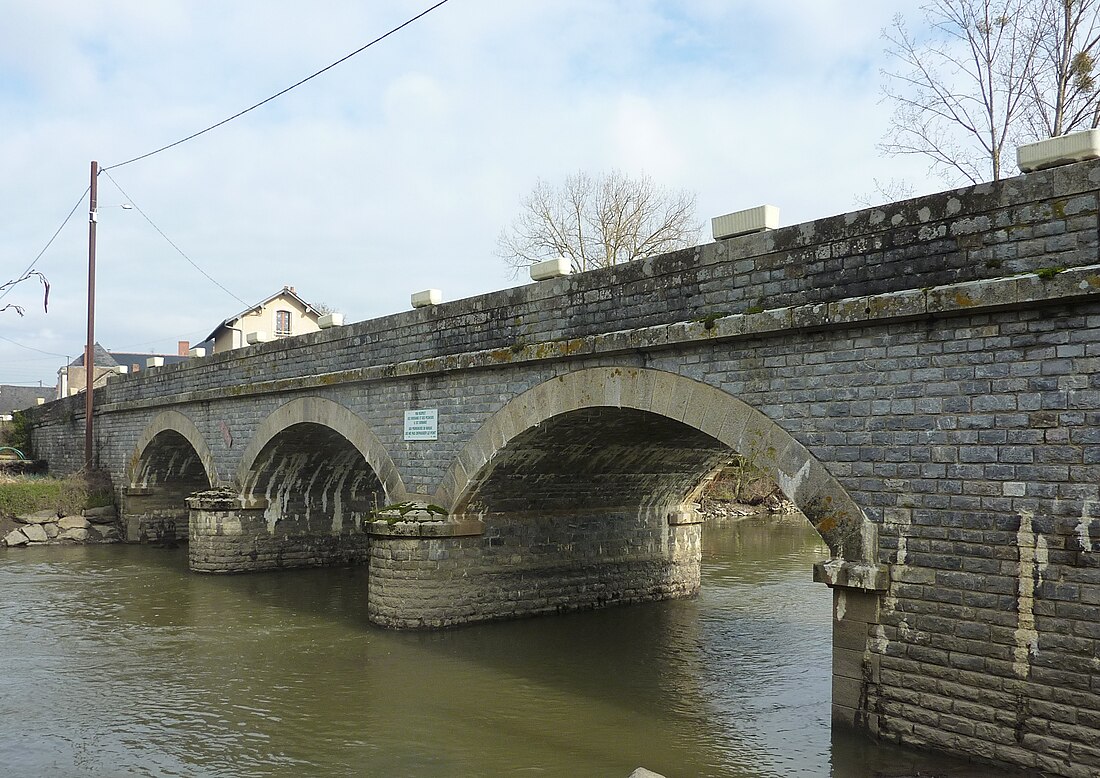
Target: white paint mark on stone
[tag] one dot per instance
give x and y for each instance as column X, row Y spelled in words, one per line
column 1084, row 527
column 1032, row 551
column 790, row 484
column 841, row 605
column 878, row 642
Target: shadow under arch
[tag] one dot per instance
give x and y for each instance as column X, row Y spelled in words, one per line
column 710, row 413
column 170, row 462
column 325, row 413
column 141, row 466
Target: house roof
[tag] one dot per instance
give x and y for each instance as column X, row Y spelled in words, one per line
column 104, row 358
column 18, row 398
column 101, row 356
column 286, row 291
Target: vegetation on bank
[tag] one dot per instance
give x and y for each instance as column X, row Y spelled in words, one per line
column 743, row 483
column 22, row 494
column 16, row 433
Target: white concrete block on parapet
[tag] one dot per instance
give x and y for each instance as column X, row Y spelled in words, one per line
column 427, row 297
column 1063, row 150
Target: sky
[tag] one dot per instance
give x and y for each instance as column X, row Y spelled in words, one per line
column 397, row 170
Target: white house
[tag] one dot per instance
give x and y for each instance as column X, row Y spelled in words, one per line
column 279, row 316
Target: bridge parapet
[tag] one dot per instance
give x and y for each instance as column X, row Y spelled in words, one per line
column 1044, row 220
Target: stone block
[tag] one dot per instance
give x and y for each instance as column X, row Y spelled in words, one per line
column 847, row 692
column 15, row 538
column 847, row 663
column 972, row 295
column 39, row 517
column 35, row 533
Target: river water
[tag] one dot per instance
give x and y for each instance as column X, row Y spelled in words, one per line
column 119, row 662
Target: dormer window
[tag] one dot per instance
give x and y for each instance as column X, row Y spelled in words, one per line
column 282, row 324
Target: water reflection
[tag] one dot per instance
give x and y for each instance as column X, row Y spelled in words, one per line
column 122, row 662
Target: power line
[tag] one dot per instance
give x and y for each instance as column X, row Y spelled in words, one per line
column 32, row 348
column 280, row 93
column 159, row 340
column 170, row 242
column 57, row 232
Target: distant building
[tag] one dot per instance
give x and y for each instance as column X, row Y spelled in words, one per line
column 281, row 315
column 72, row 379
column 18, row 398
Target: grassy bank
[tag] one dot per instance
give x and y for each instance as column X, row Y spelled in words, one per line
column 20, row 494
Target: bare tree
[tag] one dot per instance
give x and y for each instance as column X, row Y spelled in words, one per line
column 599, row 222
column 960, row 94
column 19, row 309
column 885, row 192
column 1063, row 89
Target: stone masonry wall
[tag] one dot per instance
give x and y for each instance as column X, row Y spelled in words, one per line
column 224, row 538
column 955, row 400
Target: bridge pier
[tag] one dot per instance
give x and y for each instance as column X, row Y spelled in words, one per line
column 234, row 534
column 858, row 588
column 426, row 574
column 152, row 515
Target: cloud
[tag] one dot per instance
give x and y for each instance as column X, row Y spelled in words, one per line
column 396, row 170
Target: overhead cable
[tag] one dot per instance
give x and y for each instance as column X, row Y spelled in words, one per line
column 282, row 92
column 170, row 241
column 32, row 348
column 57, row 232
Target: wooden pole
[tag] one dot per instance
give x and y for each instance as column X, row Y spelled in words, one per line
column 89, row 349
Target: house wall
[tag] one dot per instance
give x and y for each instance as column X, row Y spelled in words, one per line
column 262, row 319
column 78, row 378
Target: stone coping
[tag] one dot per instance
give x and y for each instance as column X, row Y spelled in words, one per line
column 425, row 528
column 225, row 500
column 959, row 299
column 840, row 574
column 685, row 516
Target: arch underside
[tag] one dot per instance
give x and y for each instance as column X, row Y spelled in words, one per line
column 167, row 471
column 313, row 482
column 301, row 504
column 597, row 459
column 641, row 437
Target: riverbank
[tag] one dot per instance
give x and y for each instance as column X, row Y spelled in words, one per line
column 37, row 509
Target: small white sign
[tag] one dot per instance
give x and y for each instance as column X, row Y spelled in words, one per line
column 422, row 424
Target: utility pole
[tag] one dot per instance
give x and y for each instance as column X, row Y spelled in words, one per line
column 89, row 349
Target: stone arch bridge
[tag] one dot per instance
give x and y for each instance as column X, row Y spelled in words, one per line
column 920, row 378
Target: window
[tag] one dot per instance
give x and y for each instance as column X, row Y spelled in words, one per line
column 282, row 324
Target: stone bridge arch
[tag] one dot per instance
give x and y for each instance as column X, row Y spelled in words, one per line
column 170, row 461
column 312, row 472
column 334, row 416
column 713, row 420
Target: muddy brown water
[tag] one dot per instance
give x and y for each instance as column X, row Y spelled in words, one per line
column 119, row 662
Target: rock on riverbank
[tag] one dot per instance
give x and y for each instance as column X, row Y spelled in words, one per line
column 95, row 525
